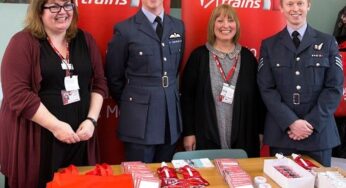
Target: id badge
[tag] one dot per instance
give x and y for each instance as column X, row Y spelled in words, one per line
column 71, row 83
column 227, row 93
column 69, row 97
column 66, row 66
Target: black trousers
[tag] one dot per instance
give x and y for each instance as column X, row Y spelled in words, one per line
column 149, row 153
column 340, row 151
column 152, row 153
column 6, row 182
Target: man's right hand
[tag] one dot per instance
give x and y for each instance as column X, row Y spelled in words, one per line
column 190, row 143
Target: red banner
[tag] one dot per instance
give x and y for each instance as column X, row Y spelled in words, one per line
column 98, row 17
column 258, row 19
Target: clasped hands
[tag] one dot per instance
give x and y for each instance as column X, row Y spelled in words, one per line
column 300, row 129
column 65, row 133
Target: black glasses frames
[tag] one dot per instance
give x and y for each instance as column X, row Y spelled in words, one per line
column 57, row 8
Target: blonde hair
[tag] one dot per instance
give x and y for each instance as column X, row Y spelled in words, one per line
column 282, row 1
column 34, row 24
column 222, row 10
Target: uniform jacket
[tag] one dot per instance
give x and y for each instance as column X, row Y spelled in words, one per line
column 20, row 137
column 199, row 113
column 303, row 83
column 141, row 72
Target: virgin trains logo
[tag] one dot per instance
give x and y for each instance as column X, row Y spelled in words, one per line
column 256, row 4
column 133, row 3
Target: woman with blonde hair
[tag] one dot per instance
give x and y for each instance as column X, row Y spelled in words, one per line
column 221, row 104
column 53, row 85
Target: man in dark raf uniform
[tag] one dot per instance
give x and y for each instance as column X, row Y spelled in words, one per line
column 300, row 78
column 142, row 64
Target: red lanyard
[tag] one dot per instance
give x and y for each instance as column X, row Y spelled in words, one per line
column 66, row 60
column 222, row 72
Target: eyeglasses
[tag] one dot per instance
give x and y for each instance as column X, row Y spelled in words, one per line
column 57, row 8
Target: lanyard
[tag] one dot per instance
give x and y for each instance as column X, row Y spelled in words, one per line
column 66, row 60
column 222, row 72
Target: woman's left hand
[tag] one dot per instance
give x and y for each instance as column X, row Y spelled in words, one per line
column 85, row 130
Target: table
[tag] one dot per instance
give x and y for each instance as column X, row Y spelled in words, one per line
column 253, row 166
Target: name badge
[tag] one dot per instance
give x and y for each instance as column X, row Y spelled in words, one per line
column 71, row 83
column 69, row 97
column 66, row 66
column 227, row 93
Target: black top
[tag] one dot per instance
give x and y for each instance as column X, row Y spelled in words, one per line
column 53, row 81
column 55, row 154
column 198, row 108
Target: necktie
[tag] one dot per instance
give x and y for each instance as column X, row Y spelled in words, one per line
column 295, row 38
column 159, row 28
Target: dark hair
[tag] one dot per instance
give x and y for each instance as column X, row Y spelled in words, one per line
column 340, row 26
column 343, row 11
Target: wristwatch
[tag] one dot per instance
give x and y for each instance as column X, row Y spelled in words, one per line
column 92, row 120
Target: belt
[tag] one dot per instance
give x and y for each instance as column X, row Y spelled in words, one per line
column 164, row 81
column 296, row 98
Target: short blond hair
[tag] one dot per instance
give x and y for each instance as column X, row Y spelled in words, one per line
column 34, row 24
column 222, row 10
column 282, row 1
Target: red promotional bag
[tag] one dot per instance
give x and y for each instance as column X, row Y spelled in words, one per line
column 101, row 176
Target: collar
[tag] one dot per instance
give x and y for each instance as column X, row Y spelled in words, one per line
column 222, row 55
column 151, row 17
column 301, row 31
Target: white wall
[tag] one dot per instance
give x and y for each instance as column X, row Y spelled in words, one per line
column 11, row 21
column 323, row 14
column 2, row 180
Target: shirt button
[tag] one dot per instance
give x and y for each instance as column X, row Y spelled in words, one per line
column 297, row 73
column 140, row 53
column 278, row 65
column 317, row 64
column 163, row 44
column 298, row 59
column 130, row 99
column 164, row 59
column 298, row 87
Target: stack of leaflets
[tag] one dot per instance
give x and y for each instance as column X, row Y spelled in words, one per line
column 142, row 176
column 234, row 175
column 194, row 163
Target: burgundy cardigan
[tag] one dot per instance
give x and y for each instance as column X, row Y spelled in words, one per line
column 19, row 136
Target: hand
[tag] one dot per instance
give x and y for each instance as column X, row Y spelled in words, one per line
column 65, row 133
column 293, row 136
column 190, row 143
column 300, row 129
column 85, row 130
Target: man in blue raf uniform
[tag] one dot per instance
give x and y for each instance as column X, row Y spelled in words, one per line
column 142, row 65
column 300, row 78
